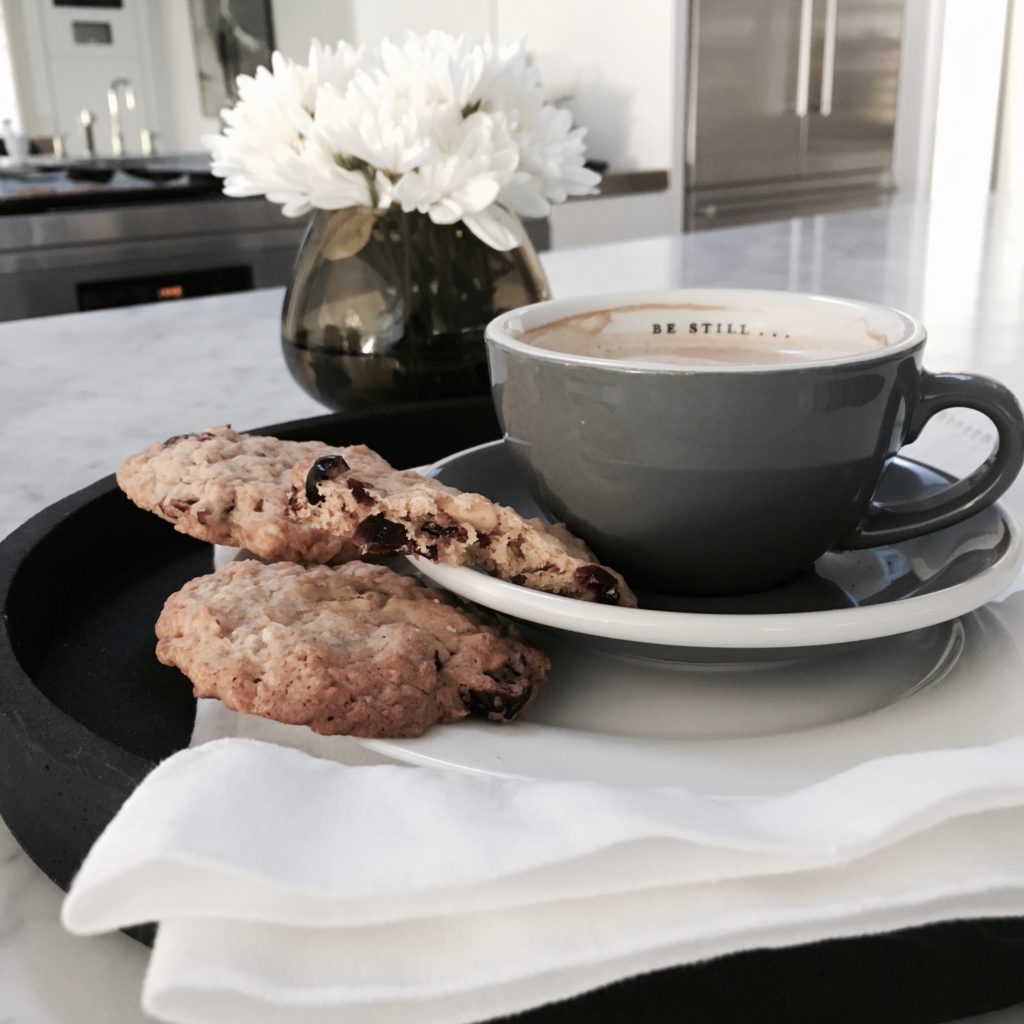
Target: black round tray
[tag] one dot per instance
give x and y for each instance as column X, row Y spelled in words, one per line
column 86, row 711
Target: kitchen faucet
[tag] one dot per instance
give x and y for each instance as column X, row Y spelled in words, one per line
column 114, row 105
column 87, row 118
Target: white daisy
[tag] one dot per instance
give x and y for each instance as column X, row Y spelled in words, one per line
column 264, row 148
column 452, row 127
column 470, row 158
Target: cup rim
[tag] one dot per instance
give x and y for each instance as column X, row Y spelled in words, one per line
column 498, row 331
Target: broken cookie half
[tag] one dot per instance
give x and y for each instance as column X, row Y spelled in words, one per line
column 355, row 494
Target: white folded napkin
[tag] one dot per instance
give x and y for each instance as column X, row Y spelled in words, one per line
column 292, row 888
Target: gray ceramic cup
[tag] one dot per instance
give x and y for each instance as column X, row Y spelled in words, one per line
column 718, row 441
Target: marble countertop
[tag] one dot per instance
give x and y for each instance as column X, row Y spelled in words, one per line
column 77, row 392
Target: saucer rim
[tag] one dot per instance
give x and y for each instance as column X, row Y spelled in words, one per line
column 718, row 630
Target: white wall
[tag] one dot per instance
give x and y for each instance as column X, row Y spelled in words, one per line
column 28, row 65
column 617, row 70
column 974, row 38
column 8, row 97
column 920, row 66
column 623, row 74
column 179, row 106
column 1010, row 166
column 374, row 20
column 296, row 22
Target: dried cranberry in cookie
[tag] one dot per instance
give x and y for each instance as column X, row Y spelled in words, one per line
column 326, row 467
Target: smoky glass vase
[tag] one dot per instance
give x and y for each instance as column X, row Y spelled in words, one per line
column 387, row 307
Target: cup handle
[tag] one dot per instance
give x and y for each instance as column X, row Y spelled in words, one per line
column 888, row 523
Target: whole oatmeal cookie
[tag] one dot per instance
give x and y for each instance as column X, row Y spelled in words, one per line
column 356, row 494
column 229, row 488
column 354, row 649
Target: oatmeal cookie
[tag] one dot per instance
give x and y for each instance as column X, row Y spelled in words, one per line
column 229, row 488
column 353, row 649
column 356, row 494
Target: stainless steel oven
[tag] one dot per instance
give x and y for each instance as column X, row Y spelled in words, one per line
column 60, row 261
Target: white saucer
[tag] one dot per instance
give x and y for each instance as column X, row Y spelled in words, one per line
column 759, row 724
column 849, row 595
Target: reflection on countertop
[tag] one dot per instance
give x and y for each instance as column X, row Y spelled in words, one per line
column 959, row 267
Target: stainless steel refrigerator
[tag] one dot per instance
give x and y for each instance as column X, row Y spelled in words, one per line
column 791, row 107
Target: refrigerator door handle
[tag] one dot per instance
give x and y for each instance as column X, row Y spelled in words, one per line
column 803, row 67
column 828, row 57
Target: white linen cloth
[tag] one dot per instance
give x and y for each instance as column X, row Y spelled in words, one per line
column 291, row 887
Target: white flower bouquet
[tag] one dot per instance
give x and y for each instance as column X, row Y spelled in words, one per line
column 455, row 128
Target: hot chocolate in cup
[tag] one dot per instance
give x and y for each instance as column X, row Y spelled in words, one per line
column 718, row 441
